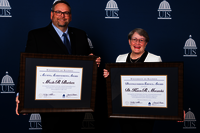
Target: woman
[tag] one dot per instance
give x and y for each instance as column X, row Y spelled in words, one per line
column 138, row 39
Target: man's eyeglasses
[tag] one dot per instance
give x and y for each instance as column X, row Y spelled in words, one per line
column 134, row 40
column 59, row 13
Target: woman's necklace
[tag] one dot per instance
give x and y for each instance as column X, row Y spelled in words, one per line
column 135, row 60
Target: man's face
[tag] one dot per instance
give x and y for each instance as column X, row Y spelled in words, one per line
column 62, row 20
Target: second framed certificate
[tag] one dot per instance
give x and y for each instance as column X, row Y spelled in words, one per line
column 148, row 91
column 145, row 90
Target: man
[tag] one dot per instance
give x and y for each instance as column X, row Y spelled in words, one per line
column 49, row 40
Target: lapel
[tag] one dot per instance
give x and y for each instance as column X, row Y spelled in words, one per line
column 56, row 38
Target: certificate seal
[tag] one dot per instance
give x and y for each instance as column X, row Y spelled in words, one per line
column 40, row 95
column 126, row 103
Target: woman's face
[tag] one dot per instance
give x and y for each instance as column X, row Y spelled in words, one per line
column 137, row 43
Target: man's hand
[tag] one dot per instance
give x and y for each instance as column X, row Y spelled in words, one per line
column 17, row 103
column 98, row 60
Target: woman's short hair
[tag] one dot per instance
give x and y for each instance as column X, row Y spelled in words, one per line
column 141, row 32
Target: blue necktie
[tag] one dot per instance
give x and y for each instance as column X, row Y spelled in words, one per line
column 67, row 43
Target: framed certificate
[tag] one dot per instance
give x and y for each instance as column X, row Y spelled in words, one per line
column 145, row 90
column 148, row 91
column 57, row 83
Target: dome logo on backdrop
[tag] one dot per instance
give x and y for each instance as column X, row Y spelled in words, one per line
column 35, row 122
column 164, row 10
column 112, row 10
column 5, row 8
column 190, row 48
column 88, row 122
column 190, row 120
column 7, row 84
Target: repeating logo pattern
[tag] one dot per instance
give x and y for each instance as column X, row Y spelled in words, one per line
column 5, row 8
column 112, row 10
column 164, row 10
column 88, row 122
column 190, row 120
column 190, row 48
column 35, row 122
column 7, row 84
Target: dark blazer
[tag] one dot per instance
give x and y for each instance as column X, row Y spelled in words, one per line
column 46, row 40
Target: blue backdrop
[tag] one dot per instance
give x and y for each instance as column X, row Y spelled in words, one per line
column 168, row 23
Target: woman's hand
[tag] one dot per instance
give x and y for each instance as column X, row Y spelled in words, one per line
column 183, row 116
column 105, row 73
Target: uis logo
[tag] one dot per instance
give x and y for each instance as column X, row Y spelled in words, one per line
column 190, row 48
column 7, row 84
column 88, row 122
column 164, row 10
column 190, row 120
column 112, row 10
column 5, row 8
column 35, row 122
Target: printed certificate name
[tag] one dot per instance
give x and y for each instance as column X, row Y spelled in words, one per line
column 144, row 91
column 58, row 83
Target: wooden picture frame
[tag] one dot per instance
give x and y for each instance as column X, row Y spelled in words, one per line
column 174, row 106
column 28, row 64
